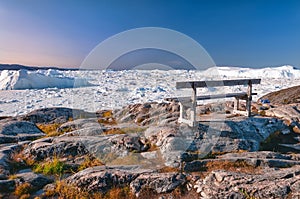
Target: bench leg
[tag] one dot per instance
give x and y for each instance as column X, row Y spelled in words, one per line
column 180, row 120
column 249, row 98
column 193, row 107
column 236, row 104
column 248, row 107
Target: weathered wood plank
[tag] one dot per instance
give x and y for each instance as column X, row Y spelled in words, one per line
column 241, row 95
column 216, row 83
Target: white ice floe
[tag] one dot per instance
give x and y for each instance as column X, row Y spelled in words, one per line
column 23, row 79
column 114, row 89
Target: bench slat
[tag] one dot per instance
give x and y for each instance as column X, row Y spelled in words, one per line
column 241, row 95
column 215, row 83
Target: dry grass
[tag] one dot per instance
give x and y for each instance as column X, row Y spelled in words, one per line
column 120, row 193
column 67, row 191
column 90, row 162
column 152, row 147
column 13, row 177
column 23, row 190
column 51, row 129
column 114, row 131
column 125, row 130
column 237, row 166
column 167, row 169
column 106, row 117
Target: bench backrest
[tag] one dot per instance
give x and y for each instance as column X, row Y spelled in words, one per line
column 216, row 83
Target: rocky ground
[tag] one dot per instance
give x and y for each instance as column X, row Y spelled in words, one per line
column 140, row 151
column 284, row 96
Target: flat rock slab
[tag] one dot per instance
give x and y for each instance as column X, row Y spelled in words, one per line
column 103, row 178
column 37, row 181
column 12, row 131
column 272, row 184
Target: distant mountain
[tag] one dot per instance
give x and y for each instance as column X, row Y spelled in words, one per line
column 19, row 67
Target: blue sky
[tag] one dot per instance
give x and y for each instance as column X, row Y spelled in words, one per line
column 236, row 33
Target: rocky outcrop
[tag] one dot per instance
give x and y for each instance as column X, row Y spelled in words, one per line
column 103, row 178
column 82, row 127
column 284, row 96
column 131, row 143
column 289, row 113
column 181, row 143
column 37, row 181
column 272, row 183
column 150, row 136
column 13, row 131
column 56, row 115
column 79, row 124
column 50, row 147
column 148, row 113
column 260, row 159
column 159, row 182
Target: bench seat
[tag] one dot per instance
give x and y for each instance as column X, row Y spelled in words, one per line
column 242, row 95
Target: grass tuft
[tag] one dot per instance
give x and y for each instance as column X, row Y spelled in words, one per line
column 54, row 167
column 90, row 162
column 51, row 129
column 237, row 166
column 125, row 130
column 68, row 191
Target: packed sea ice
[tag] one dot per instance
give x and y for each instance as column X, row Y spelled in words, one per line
column 23, row 91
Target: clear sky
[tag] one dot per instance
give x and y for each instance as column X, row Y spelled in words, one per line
column 253, row 33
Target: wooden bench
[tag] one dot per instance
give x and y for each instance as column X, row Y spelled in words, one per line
column 191, row 102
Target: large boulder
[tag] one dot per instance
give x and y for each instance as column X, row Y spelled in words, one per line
column 149, row 113
column 103, row 178
column 12, row 131
column 49, row 147
column 158, row 182
column 37, row 181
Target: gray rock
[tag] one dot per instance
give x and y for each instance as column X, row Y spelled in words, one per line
column 38, row 181
column 87, row 131
column 263, row 159
column 235, row 134
column 103, row 178
column 5, row 153
column 271, row 184
column 132, row 142
column 159, row 182
column 56, row 115
column 13, row 131
column 49, row 147
column 8, row 139
column 79, row 124
column 148, row 113
column 7, row 186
